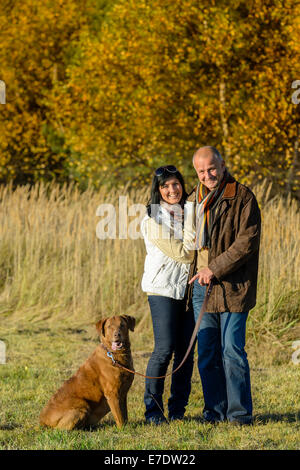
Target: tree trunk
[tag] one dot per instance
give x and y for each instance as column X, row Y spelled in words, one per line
column 224, row 124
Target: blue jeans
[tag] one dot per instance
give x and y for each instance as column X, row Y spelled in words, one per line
column 222, row 363
column 172, row 328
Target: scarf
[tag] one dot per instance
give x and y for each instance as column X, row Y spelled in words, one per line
column 172, row 217
column 206, row 202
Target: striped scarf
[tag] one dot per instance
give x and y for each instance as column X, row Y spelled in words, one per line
column 205, row 204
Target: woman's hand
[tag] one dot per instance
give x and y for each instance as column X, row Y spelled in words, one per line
column 204, row 276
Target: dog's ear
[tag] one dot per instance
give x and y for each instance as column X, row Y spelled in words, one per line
column 130, row 321
column 100, row 326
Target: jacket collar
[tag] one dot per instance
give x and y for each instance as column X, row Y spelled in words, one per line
column 230, row 188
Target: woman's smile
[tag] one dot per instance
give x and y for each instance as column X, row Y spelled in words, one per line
column 171, row 191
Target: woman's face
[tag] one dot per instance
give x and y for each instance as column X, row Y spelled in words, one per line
column 171, row 191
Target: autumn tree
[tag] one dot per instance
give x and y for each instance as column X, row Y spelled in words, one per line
column 164, row 77
column 264, row 132
column 108, row 91
column 37, row 40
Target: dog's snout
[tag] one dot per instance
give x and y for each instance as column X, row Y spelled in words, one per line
column 117, row 334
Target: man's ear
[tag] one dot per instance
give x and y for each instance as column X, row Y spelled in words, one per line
column 130, row 321
column 100, row 326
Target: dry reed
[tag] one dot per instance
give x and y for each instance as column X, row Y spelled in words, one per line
column 54, row 268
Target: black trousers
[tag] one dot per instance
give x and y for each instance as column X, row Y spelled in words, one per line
column 172, row 328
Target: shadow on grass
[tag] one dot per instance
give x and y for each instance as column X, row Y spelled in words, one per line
column 9, row 427
column 259, row 419
column 277, row 417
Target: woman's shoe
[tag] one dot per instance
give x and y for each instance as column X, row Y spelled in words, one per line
column 176, row 417
column 156, row 420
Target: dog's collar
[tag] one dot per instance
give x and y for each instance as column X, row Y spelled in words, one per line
column 109, row 354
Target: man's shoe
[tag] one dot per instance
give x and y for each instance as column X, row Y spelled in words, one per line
column 211, row 421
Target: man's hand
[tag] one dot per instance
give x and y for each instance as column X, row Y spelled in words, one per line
column 204, row 276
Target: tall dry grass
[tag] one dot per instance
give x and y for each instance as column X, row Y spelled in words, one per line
column 277, row 313
column 54, row 268
column 52, row 265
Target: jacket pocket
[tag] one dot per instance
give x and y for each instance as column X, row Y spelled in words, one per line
column 238, row 283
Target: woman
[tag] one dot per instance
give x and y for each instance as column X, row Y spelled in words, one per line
column 170, row 250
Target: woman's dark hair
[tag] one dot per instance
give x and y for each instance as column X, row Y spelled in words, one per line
column 157, row 181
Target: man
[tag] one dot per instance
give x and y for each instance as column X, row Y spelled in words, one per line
column 228, row 226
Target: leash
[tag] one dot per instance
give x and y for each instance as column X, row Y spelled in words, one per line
column 203, row 309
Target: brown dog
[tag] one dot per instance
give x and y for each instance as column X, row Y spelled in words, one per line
column 98, row 386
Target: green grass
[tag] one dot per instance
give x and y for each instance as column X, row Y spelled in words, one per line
column 39, row 359
column 57, row 279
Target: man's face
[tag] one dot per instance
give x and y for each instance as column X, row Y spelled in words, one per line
column 210, row 169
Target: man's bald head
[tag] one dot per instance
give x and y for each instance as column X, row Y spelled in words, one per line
column 207, row 151
column 209, row 166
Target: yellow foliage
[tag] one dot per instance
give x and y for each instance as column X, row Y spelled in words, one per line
column 154, row 81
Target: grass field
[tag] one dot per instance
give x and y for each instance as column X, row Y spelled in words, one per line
column 57, row 279
column 40, row 359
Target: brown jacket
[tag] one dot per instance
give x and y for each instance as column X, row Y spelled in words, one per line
column 234, row 251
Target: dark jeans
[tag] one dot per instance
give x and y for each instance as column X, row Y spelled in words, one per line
column 222, row 363
column 173, row 328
